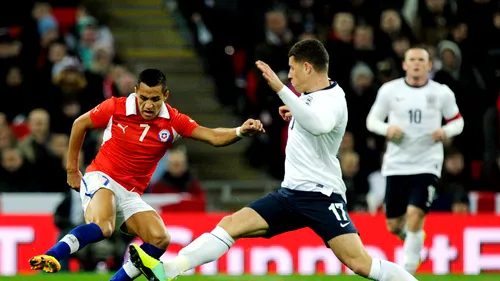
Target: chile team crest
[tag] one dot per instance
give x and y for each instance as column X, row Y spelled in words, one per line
column 164, row 135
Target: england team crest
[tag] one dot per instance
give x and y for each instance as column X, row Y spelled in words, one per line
column 164, row 135
column 431, row 100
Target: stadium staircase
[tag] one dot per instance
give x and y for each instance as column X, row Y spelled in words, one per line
column 149, row 35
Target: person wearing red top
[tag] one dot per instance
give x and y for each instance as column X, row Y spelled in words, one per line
column 139, row 129
column 178, row 178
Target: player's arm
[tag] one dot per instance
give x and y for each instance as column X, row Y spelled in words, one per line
column 318, row 118
column 96, row 118
column 219, row 137
column 188, row 128
column 375, row 122
column 454, row 121
column 80, row 127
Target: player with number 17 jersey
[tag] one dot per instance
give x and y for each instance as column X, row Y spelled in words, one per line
column 132, row 146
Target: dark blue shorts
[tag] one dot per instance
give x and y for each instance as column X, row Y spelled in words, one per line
column 286, row 210
column 416, row 190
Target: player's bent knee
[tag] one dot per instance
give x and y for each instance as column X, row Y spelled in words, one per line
column 415, row 218
column 228, row 224
column 159, row 238
column 414, row 213
column 107, row 227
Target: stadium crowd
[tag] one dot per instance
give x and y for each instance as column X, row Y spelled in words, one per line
column 366, row 41
column 56, row 64
column 55, row 67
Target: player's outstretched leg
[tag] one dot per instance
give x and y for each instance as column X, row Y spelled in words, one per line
column 101, row 213
column 206, row 248
column 351, row 252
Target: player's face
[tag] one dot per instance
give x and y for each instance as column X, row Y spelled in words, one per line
column 297, row 74
column 150, row 100
column 417, row 63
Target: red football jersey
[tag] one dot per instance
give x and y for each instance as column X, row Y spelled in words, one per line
column 132, row 146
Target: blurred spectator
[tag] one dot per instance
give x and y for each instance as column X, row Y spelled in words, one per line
column 392, row 26
column 178, row 178
column 434, row 21
column 49, row 171
column 347, row 144
column 364, row 46
column 7, row 138
column 339, row 46
column 39, row 125
column 14, row 90
column 453, row 181
column 47, row 25
column 464, row 80
column 356, row 186
column 16, row 174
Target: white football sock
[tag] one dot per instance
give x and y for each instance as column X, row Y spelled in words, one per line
column 387, row 271
column 414, row 243
column 206, row 248
column 72, row 241
column 131, row 270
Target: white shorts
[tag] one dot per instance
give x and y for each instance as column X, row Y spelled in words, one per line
column 127, row 202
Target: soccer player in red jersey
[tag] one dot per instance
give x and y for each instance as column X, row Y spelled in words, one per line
column 139, row 130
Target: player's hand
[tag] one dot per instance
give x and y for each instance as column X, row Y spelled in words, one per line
column 74, row 179
column 251, row 127
column 439, row 135
column 272, row 79
column 394, row 133
column 285, row 113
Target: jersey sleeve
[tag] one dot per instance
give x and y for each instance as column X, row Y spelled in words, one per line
column 315, row 116
column 183, row 124
column 379, row 111
column 381, row 106
column 101, row 114
column 449, row 108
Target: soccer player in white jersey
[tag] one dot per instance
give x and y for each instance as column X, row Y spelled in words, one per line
column 312, row 193
column 415, row 107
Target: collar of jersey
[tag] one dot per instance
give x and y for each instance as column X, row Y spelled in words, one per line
column 332, row 85
column 427, row 82
column 131, row 107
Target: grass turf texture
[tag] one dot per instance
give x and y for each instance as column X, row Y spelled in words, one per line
column 105, row 277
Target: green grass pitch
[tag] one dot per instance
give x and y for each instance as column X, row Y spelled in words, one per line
column 105, row 277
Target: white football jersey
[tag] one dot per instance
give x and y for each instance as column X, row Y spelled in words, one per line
column 314, row 136
column 418, row 111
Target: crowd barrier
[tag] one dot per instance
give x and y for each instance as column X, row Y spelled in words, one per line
column 461, row 244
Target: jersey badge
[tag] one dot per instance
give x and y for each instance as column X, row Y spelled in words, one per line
column 164, row 135
column 431, row 100
column 309, row 100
